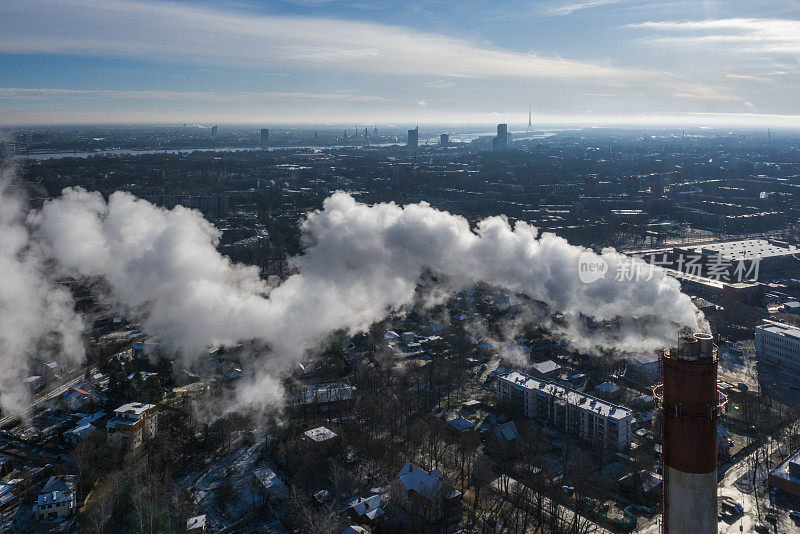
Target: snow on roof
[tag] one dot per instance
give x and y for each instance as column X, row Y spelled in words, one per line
column 546, row 367
column 270, row 480
column 320, row 434
column 586, row 402
column 780, row 329
column 420, row 481
column 137, row 408
column 57, row 489
column 331, row 392
column 749, row 249
column 366, row 506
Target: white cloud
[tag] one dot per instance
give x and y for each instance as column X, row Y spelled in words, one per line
column 564, row 9
column 748, row 77
column 441, row 84
column 175, row 32
column 208, row 96
column 701, row 92
column 750, row 35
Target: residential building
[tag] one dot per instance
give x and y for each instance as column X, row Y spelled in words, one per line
column 506, row 440
column 548, row 368
column 322, row 440
column 425, row 494
column 459, row 424
column 367, row 511
column 58, row 498
column 269, row 483
column 787, row 475
column 132, row 425
column 33, row 383
column 608, row 390
column 328, row 397
column 587, row 417
column 646, row 368
column 779, row 344
column 77, row 397
column 83, row 428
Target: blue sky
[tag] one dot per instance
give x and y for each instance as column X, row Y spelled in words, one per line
column 419, row 61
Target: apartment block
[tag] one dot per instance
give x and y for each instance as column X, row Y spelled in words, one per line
column 582, row 415
column 779, row 344
column 132, row 425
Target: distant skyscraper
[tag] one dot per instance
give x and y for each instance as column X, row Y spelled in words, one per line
column 501, row 141
column 366, row 138
column 413, row 139
column 444, row 140
column 264, row 136
column 213, row 131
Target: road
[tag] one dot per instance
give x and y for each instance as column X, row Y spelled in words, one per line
column 46, row 396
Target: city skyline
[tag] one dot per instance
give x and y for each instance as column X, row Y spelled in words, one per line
column 578, row 62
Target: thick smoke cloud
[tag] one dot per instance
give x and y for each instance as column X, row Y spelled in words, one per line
column 361, row 263
column 37, row 318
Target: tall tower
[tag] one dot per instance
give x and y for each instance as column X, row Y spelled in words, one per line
column 690, row 410
column 264, row 136
column 366, row 138
column 502, row 137
column 530, row 117
column 413, row 139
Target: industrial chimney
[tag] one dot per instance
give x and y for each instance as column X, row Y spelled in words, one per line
column 690, row 406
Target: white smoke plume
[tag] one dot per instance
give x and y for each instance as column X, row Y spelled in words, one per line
column 37, row 317
column 361, row 263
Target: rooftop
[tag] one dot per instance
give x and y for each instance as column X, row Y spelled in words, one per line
column 137, row 408
column 750, row 249
column 781, row 329
column 320, row 434
column 582, row 400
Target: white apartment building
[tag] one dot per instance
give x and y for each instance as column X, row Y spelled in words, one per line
column 132, row 424
column 587, row 417
column 778, row 343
